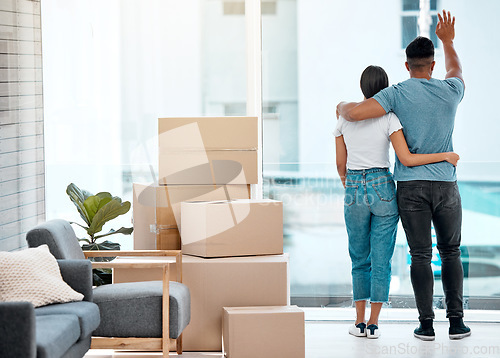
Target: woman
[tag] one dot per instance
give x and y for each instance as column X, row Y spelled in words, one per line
column 370, row 208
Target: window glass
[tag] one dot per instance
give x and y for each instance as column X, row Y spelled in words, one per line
column 410, row 29
column 313, row 56
column 409, row 5
column 112, row 68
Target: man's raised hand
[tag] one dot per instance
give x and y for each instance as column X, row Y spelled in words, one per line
column 445, row 28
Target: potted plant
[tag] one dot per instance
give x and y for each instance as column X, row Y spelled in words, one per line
column 97, row 210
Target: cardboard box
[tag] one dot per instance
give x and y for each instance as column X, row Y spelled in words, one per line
column 169, row 198
column 217, row 167
column 232, row 228
column 168, row 239
column 159, row 207
column 218, row 283
column 279, row 331
column 143, row 214
column 208, row 150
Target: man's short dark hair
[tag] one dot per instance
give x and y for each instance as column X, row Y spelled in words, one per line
column 373, row 80
column 420, row 53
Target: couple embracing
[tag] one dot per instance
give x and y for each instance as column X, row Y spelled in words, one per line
column 418, row 117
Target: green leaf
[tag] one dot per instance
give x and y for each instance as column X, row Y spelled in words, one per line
column 78, row 197
column 122, row 230
column 83, row 227
column 91, row 204
column 109, row 211
column 95, row 202
column 104, row 194
column 105, row 198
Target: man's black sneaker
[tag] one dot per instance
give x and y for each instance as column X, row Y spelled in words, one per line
column 424, row 334
column 459, row 331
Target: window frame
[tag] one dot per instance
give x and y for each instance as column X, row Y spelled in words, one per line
column 415, row 14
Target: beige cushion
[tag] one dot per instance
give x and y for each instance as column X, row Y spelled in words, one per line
column 33, row 275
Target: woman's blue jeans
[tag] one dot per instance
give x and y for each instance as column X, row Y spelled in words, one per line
column 371, row 217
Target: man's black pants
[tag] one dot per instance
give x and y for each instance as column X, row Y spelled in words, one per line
column 421, row 202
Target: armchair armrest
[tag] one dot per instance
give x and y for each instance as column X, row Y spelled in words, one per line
column 78, row 274
column 17, row 330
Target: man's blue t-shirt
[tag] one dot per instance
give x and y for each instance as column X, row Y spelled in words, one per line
column 426, row 109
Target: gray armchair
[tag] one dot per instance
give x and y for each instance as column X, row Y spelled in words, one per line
column 134, row 316
column 52, row 331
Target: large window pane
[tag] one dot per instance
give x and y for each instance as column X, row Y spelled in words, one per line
column 113, row 68
column 313, row 58
column 410, row 29
column 411, row 4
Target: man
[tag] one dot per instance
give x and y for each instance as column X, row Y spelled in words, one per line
column 426, row 108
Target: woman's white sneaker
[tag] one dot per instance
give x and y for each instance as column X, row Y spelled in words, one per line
column 358, row 330
column 372, row 331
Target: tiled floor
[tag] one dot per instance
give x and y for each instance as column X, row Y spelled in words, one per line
column 326, row 336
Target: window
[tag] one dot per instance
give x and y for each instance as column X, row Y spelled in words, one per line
column 313, row 56
column 238, row 7
column 234, row 7
column 111, row 69
column 409, row 21
column 234, row 109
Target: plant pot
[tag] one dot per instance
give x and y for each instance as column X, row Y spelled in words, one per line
column 101, row 276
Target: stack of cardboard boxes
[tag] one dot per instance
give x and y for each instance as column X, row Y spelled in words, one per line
column 232, row 245
column 199, row 159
